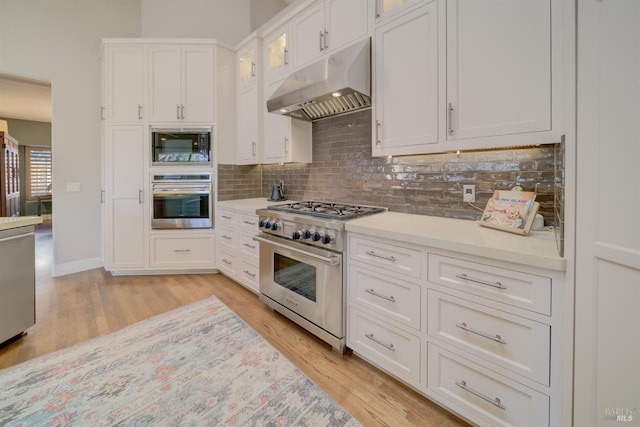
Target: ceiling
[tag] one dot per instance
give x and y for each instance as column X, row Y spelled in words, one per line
column 25, row 99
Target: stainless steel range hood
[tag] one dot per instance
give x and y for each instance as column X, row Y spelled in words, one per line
column 338, row 83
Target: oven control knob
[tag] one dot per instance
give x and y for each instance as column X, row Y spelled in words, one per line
column 274, row 226
column 316, row 236
column 296, row 235
column 306, row 234
column 261, row 223
column 326, row 239
column 267, row 224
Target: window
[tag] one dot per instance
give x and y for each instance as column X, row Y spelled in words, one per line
column 38, row 174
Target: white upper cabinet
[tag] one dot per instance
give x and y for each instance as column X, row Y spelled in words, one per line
column 389, row 8
column 249, row 100
column 499, row 69
column 406, row 83
column 285, row 139
column 181, row 83
column 276, row 53
column 327, row 26
column 124, row 76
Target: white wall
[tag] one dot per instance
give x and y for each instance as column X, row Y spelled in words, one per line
column 263, row 10
column 59, row 41
column 225, row 20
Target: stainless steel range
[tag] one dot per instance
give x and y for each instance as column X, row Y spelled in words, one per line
column 301, row 264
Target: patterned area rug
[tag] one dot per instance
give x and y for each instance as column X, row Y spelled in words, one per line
column 196, row 365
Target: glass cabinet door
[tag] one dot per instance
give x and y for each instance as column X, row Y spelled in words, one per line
column 247, row 65
column 385, row 7
column 277, row 54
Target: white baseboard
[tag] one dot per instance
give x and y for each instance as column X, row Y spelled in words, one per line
column 76, row 266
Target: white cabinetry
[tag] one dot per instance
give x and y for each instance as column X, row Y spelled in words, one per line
column 385, row 9
column 406, row 83
column 499, row 82
column 125, row 196
column 276, row 53
column 463, row 86
column 237, row 252
column 181, row 83
column 471, row 333
column 124, row 76
column 188, row 250
column 249, row 93
column 327, row 26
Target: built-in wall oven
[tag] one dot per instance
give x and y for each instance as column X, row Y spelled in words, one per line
column 182, row 201
column 301, row 264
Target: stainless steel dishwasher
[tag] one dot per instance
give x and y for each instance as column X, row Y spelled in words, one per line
column 17, row 281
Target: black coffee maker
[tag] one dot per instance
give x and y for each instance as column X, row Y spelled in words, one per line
column 277, row 194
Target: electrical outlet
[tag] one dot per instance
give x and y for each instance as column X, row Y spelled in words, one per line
column 469, row 193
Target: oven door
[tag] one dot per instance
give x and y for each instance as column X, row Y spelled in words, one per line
column 181, row 205
column 304, row 279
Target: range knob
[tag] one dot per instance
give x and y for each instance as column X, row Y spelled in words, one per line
column 316, row 236
column 274, row 226
column 261, row 223
column 267, row 224
column 305, row 234
column 296, row 235
column 326, row 239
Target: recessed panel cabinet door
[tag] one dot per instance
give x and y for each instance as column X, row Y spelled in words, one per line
column 164, row 83
column 125, row 83
column 498, row 67
column 125, row 196
column 406, row 83
column 198, row 83
column 248, row 131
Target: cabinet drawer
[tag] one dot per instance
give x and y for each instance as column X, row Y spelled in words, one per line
column 183, row 251
column 389, row 297
column 511, row 287
column 481, row 395
column 248, row 247
column 248, row 223
column 226, row 262
column 388, row 347
column 249, row 275
column 226, row 218
column 394, row 258
column 226, row 238
column 515, row 343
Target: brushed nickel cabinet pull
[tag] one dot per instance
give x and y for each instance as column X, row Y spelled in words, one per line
column 495, row 402
column 377, row 341
column 321, row 44
column 227, row 217
column 226, row 261
column 450, row 119
column 253, row 148
column 497, row 338
column 498, row 285
column 140, row 199
column 139, row 112
column 253, row 69
column 178, row 111
column 227, row 237
column 182, row 111
column 387, row 257
column 248, row 273
column 286, row 145
column 182, row 250
column 249, row 222
column 378, row 142
column 249, row 246
column 326, row 37
column 101, row 112
column 374, row 293
column 286, row 56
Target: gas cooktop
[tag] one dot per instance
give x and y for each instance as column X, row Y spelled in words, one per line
column 335, row 211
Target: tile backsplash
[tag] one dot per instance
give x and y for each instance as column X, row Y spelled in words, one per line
column 344, row 171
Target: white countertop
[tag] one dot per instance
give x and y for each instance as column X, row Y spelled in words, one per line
column 248, row 205
column 7, row 223
column 538, row 249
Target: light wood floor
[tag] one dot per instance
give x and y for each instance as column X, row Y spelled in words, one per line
column 80, row 306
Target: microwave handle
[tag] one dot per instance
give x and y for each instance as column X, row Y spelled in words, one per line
column 332, row 260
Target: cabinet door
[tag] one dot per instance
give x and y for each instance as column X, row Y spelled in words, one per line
column 198, row 84
column 406, row 83
column 248, row 125
column 247, row 64
column 345, row 22
column 164, row 83
column 277, row 130
column 390, row 8
column 125, row 83
column 276, row 53
column 498, row 67
column 125, row 150
column 308, row 35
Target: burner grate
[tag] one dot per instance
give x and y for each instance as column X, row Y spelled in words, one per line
column 340, row 211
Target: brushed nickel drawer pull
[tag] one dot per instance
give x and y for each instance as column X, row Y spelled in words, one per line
column 495, row 402
column 374, row 293
column 497, row 338
column 182, row 250
column 249, row 246
column 227, row 237
column 377, row 341
column 227, row 261
column 227, row 217
column 480, row 281
column 248, row 273
column 249, row 222
column 388, row 258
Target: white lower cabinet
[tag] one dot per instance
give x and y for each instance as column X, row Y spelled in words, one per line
column 471, row 333
column 237, row 253
column 186, row 251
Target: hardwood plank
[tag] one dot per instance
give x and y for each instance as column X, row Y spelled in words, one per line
column 80, row 306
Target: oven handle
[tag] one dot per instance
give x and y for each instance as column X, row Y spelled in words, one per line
column 332, row 260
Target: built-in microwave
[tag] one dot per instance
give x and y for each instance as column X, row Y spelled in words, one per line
column 180, row 146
